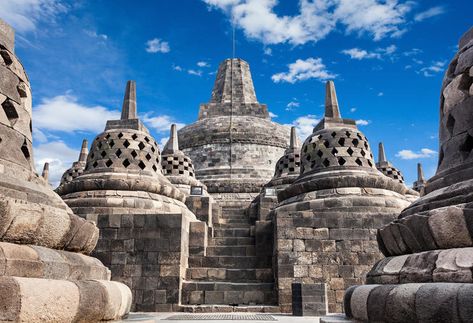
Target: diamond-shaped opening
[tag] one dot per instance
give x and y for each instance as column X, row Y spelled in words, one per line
column 366, row 145
column 359, row 136
column 370, row 163
column 111, row 143
column 118, row 153
column 6, row 57
column 10, row 111
column 134, row 154
column 103, row 153
column 126, row 163
column 109, row 163
column 141, row 165
column 191, row 174
column 348, row 134
column 141, row 145
column 350, row 151
column 147, row 139
column 155, row 168
column 25, row 150
column 450, row 123
column 341, row 141
column 95, row 164
column 333, row 134
column 355, row 142
column 148, row 156
column 181, row 172
column 334, row 151
column 92, row 155
column 320, row 153
column 341, row 161
column 326, row 143
column 134, row 136
column 363, row 153
column 359, row 162
column 126, row 143
column 467, row 146
column 99, row 145
column 307, row 157
column 326, row 162
column 120, row 135
column 107, row 136
column 152, row 149
column 157, row 160
column 320, row 137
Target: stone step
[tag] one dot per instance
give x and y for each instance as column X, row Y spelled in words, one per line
column 262, row 275
column 227, row 293
column 236, row 232
column 231, row 225
column 229, row 309
column 242, row 250
column 235, row 221
column 230, row 262
column 231, row 241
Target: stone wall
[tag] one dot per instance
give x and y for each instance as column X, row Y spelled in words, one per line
column 147, row 252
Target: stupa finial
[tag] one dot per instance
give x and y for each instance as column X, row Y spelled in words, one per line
column 381, row 153
column 129, row 101
column 84, row 151
column 45, row 173
column 293, row 140
column 173, row 143
column 331, row 103
column 420, row 172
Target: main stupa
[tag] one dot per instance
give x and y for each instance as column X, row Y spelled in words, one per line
column 234, row 144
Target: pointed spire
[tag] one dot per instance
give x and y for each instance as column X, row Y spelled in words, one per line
column 293, row 140
column 45, row 173
column 129, row 101
column 331, row 103
column 381, row 153
column 173, row 144
column 420, row 173
column 84, row 151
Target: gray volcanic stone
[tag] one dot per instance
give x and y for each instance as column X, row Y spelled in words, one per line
column 437, row 303
column 400, row 303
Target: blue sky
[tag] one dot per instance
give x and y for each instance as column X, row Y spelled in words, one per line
column 387, row 59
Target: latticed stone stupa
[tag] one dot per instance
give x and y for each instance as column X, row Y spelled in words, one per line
column 325, row 222
column 234, row 145
column 78, row 166
column 144, row 222
column 45, row 273
column 427, row 273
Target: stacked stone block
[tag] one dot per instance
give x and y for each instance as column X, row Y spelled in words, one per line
column 326, row 220
column 309, row 299
column 45, row 273
column 426, row 275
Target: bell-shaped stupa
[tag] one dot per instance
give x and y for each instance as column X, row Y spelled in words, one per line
column 326, row 219
column 78, row 166
column 234, row 144
column 427, row 273
column 45, row 274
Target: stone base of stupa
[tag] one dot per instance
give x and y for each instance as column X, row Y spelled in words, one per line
column 40, row 284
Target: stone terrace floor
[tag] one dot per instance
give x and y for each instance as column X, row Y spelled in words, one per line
column 234, row 318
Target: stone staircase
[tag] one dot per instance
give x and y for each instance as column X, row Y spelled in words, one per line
column 232, row 274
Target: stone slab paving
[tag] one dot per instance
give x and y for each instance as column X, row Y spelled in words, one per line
column 230, row 317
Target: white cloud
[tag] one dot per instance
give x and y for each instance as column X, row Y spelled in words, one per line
column 292, row 105
column 65, row 113
column 429, row 13
column 156, row 45
column 272, row 115
column 352, row 110
column 380, row 93
column 24, row 15
column 362, row 122
column 268, row 51
column 359, row 54
column 434, row 68
column 177, row 68
column 161, row 123
column 302, row 70
column 423, row 153
column 94, row 34
column 194, row 72
column 203, row 64
column 58, row 155
column 315, row 19
column 412, row 52
column 305, row 125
